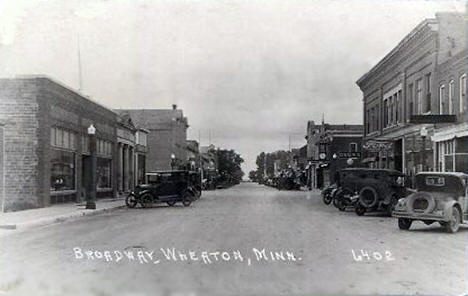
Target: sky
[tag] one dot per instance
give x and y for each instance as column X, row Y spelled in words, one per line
column 248, row 73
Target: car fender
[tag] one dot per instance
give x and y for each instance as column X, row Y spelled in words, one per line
column 448, row 207
column 144, row 192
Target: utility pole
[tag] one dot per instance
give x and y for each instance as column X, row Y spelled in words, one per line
column 80, row 78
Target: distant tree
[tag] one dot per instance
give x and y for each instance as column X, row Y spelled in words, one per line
column 229, row 165
column 269, row 159
column 253, row 176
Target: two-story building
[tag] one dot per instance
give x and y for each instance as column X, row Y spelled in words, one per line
column 405, row 93
column 331, row 147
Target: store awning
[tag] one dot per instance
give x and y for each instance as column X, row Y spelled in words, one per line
column 368, row 159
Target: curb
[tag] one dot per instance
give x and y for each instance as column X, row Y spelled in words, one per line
column 58, row 219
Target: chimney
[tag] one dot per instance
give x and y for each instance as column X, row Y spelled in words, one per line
column 174, row 106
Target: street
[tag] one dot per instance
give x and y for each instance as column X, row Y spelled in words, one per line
column 319, row 251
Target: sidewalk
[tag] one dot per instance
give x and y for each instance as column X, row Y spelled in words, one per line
column 54, row 214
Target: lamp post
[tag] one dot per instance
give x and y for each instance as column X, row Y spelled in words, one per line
column 172, row 161
column 91, row 196
column 423, row 133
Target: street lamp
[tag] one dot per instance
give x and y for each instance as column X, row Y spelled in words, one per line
column 172, row 161
column 91, row 196
column 423, row 133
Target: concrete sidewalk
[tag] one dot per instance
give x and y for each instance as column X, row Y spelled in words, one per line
column 54, row 214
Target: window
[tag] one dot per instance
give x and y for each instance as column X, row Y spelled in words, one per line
column 419, row 96
column 61, row 138
column 428, row 92
column 104, row 148
column 451, row 95
column 353, row 147
column 62, row 173
column 410, row 100
column 104, row 175
column 85, row 144
column 442, row 105
column 368, row 120
column 463, row 93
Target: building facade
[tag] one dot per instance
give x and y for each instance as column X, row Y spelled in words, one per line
column 329, row 149
column 422, row 76
column 46, row 148
column 167, row 136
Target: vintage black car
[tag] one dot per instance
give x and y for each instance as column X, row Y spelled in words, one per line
column 369, row 189
column 167, row 187
column 439, row 197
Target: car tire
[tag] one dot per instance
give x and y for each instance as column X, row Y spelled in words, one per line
column 146, row 200
column 359, row 209
column 368, row 197
column 171, row 203
column 404, row 223
column 420, row 195
column 131, row 201
column 391, row 205
column 327, row 198
column 453, row 225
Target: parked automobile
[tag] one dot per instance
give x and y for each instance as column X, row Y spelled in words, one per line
column 439, row 197
column 162, row 187
column 369, row 190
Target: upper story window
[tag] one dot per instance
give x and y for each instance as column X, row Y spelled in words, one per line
column 419, row 96
column 103, row 148
column 428, row 92
column 463, row 93
column 443, row 108
column 353, row 147
column 141, row 138
column 451, row 96
column 62, row 138
column 410, row 101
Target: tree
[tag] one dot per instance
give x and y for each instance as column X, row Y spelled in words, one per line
column 282, row 157
column 229, row 166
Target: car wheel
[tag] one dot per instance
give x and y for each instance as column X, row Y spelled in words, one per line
column 404, row 223
column 171, row 203
column 454, row 224
column 131, row 201
column 359, row 209
column 391, row 205
column 146, row 200
column 368, row 196
column 327, row 198
column 341, row 205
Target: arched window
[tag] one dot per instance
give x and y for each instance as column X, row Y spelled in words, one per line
column 451, row 96
column 442, row 104
column 463, row 93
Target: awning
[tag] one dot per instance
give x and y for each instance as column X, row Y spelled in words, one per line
column 368, row 159
column 449, row 133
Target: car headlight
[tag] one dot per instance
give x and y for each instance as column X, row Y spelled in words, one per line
column 401, row 202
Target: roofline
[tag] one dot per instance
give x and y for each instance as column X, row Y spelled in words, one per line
column 392, row 52
column 69, row 88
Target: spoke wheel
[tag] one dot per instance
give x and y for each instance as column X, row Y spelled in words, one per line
column 131, row 201
column 454, row 224
column 146, row 200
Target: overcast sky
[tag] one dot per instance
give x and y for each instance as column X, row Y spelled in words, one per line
column 252, row 72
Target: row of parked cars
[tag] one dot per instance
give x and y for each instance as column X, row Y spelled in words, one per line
column 287, row 180
column 169, row 187
column 435, row 197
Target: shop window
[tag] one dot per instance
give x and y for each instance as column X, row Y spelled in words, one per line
column 104, row 173
column 62, row 138
column 353, row 147
column 62, row 174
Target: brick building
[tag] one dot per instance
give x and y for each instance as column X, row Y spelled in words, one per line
column 167, row 136
column 46, row 147
column 331, row 147
column 423, row 76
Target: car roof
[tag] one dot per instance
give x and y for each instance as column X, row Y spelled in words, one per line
column 456, row 174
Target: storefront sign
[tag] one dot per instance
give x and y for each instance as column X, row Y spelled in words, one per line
column 377, row 146
column 433, row 118
column 349, row 154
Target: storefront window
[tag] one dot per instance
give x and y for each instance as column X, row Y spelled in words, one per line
column 62, row 176
column 104, row 173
